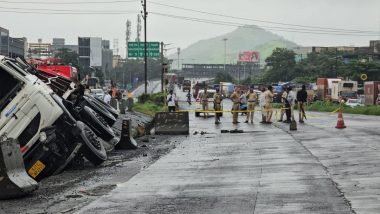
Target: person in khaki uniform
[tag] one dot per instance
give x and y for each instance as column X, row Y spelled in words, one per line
column 283, row 101
column 251, row 98
column 217, row 105
column 204, row 99
column 235, row 97
column 268, row 94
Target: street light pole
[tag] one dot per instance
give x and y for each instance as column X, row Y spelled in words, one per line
column 145, row 16
column 225, row 52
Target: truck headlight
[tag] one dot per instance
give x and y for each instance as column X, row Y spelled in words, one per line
column 43, row 137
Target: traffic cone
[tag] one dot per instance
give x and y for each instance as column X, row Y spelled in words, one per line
column 340, row 122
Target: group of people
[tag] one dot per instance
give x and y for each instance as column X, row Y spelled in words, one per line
column 250, row 98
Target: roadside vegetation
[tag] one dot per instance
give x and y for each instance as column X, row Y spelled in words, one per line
column 150, row 103
column 322, row 106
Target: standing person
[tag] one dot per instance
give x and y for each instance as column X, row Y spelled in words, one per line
column 302, row 99
column 217, row 105
column 252, row 98
column 170, row 99
column 243, row 102
column 188, row 95
column 204, row 99
column 268, row 94
column 289, row 100
column 235, row 97
column 262, row 102
column 283, row 101
column 107, row 98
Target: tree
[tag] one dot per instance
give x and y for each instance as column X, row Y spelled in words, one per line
column 280, row 65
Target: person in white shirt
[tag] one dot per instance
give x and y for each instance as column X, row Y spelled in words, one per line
column 171, row 100
column 107, row 98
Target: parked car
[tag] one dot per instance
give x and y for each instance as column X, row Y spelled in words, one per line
column 353, row 103
column 97, row 92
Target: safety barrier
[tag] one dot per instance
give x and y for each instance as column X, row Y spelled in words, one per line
column 14, row 181
column 126, row 139
column 171, row 123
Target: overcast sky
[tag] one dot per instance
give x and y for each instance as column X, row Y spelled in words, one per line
column 343, row 14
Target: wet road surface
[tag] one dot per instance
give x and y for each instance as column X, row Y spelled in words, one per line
column 317, row 169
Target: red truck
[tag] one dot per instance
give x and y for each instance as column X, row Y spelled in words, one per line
column 54, row 66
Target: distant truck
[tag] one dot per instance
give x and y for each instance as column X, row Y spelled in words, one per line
column 371, row 92
column 180, row 80
column 186, row 85
column 336, row 90
column 226, row 88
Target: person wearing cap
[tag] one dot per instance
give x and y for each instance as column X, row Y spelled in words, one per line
column 235, row 97
column 268, row 96
column 217, row 105
column 251, row 99
column 204, row 99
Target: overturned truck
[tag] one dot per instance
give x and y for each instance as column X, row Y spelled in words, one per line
column 49, row 122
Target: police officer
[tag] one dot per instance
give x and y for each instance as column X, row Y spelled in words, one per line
column 302, row 99
column 268, row 96
column 235, row 97
column 204, row 99
column 217, row 105
column 251, row 98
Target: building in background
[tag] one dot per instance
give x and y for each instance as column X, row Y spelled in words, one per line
column 17, row 47
column 4, row 41
column 95, row 53
column 375, row 46
column 59, row 43
column 40, row 50
column 301, row 52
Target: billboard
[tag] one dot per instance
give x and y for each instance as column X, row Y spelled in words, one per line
column 249, row 56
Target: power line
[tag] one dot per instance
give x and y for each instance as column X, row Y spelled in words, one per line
column 63, row 13
column 263, row 21
column 209, row 21
column 71, row 2
column 69, row 10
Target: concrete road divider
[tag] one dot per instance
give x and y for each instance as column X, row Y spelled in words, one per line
column 126, row 139
column 171, row 123
column 14, row 181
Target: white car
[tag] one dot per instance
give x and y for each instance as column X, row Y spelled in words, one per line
column 97, row 92
column 353, row 103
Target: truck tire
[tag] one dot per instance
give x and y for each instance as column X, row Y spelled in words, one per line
column 92, row 149
column 109, row 108
column 97, row 124
column 108, row 117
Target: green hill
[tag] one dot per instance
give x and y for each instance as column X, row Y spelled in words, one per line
column 247, row 38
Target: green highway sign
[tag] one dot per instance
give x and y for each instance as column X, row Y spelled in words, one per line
column 136, row 49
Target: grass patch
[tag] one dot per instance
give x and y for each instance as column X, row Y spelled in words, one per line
column 150, row 103
column 330, row 107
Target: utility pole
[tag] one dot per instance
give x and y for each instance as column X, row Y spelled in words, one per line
column 162, row 66
column 178, row 52
column 336, row 62
column 225, row 52
column 145, row 16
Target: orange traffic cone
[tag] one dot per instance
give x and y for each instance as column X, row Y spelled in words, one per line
column 340, row 122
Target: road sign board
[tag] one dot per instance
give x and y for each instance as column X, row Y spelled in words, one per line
column 136, row 49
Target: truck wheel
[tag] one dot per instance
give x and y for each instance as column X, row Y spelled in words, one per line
column 92, row 149
column 109, row 108
column 97, row 124
column 108, row 117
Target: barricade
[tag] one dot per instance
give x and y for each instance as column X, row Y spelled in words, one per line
column 126, row 140
column 14, row 181
column 172, row 123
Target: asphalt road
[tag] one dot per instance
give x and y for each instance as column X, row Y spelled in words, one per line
column 317, row 169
